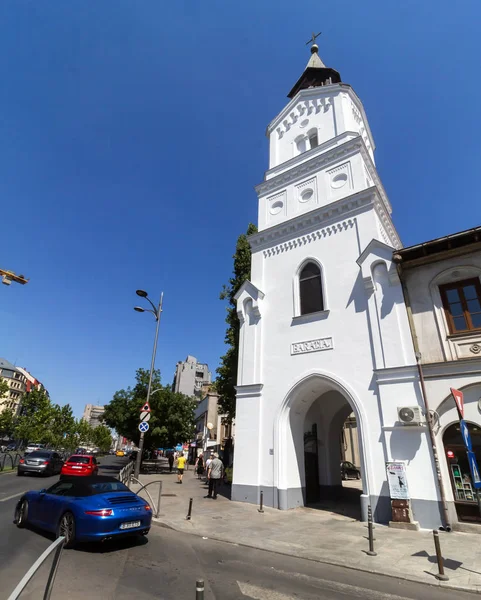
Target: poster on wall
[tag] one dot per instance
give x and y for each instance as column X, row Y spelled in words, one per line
column 397, row 480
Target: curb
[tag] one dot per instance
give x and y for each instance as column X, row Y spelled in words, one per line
column 9, row 472
column 463, row 588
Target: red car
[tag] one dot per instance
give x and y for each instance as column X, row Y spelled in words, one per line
column 80, row 464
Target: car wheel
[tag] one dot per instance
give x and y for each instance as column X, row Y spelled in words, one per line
column 21, row 513
column 66, row 528
column 344, row 477
column 358, row 475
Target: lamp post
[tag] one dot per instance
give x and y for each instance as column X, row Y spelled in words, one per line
column 157, row 312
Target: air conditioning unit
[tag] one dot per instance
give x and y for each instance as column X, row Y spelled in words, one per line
column 410, row 415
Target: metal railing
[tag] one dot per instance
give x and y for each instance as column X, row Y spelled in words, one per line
column 155, row 506
column 57, row 546
column 9, row 461
column 126, row 473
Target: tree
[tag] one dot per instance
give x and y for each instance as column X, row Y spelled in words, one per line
column 36, row 417
column 172, row 417
column 7, row 423
column 102, row 438
column 227, row 371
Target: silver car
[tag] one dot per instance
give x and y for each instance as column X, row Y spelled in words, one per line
column 42, row 462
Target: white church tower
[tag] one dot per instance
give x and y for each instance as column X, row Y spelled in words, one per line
column 324, row 330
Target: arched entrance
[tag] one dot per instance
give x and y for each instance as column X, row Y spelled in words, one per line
column 465, row 497
column 308, row 446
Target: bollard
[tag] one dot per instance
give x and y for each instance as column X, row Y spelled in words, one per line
column 158, row 500
column 370, row 528
column 439, row 557
column 189, row 514
column 199, row 589
column 261, row 507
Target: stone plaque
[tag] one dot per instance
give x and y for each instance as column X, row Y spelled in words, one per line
column 312, row 346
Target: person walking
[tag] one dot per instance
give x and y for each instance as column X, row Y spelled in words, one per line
column 214, row 475
column 180, row 467
column 199, row 466
column 171, row 461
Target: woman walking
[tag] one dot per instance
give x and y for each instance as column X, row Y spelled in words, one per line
column 199, row 466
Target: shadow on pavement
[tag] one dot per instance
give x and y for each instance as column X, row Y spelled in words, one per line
column 112, row 545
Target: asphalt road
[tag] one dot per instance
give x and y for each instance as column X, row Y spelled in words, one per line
column 166, row 565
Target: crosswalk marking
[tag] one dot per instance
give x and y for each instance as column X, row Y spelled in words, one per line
column 261, row 593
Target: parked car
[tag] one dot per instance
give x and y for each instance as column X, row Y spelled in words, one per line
column 349, row 471
column 81, row 465
column 33, row 448
column 42, row 462
column 11, row 448
column 120, row 453
column 85, row 509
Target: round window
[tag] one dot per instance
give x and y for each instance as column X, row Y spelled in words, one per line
column 276, row 207
column 339, row 180
column 306, row 195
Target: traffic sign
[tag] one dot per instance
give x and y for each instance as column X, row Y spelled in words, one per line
column 459, row 400
column 144, row 416
column 145, row 407
column 473, row 465
column 143, row 427
column 465, row 433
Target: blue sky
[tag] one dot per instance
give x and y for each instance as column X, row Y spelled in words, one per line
column 132, row 134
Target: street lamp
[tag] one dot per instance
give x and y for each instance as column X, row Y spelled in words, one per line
column 157, row 312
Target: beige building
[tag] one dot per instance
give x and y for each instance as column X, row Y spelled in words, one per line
column 212, row 431
column 93, row 414
column 17, row 384
column 442, row 288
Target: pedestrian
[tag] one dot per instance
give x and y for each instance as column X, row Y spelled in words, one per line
column 171, row 461
column 214, row 475
column 207, row 464
column 180, row 468
column 199, row 466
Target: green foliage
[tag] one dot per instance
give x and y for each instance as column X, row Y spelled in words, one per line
column 227, row 371
column 7, row 422
column 172, row 417
column 102, row 438
column 3, row 388
column 41, row 421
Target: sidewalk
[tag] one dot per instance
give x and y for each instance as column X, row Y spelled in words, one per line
column 316, row 535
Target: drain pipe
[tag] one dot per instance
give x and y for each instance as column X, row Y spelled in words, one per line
column 397, row 258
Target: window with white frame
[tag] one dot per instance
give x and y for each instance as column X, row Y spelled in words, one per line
column 310, row 289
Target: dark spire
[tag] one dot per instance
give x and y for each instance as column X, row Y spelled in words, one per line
column 316, row 73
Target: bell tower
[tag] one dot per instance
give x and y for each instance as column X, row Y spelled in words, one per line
column 321, row 150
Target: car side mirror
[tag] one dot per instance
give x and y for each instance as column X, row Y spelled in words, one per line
column 98, row 462
column 42, row 491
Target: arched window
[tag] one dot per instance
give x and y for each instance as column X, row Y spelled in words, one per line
column 313, row 139
column 310, row 289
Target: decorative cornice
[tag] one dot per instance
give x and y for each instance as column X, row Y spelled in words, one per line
column 324, row 216
column 316, row 163
column 249, row 391
column 307, row 238
column 319, row 95
column 402, row 374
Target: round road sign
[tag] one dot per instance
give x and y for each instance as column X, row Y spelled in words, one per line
column 143, row 427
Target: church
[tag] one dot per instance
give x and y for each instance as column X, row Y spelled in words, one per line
column 324, row 327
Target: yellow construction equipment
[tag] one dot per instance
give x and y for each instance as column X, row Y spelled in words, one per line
column 9, row 276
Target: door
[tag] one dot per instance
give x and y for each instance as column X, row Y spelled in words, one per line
column 311, row 465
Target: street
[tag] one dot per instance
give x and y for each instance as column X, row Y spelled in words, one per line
column 167, row 564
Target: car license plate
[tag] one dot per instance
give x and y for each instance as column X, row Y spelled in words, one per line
column 130, row 525
column 76, row 467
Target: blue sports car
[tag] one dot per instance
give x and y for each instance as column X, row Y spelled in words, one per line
column 84, row 509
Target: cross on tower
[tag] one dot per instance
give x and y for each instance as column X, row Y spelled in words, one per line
column 313, row 38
